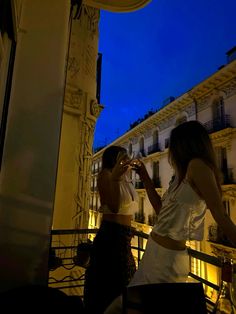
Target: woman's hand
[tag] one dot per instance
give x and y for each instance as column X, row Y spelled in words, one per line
column 149, row 185
column 121, row 166
column 140, row 168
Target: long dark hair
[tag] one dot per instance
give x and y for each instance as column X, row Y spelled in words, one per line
column 109, row 156
column 191, row 140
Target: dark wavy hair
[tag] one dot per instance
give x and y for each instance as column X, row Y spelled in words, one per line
column 191, row 140
column 109, row 156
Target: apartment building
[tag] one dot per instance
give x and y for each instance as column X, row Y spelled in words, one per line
column 213, row 103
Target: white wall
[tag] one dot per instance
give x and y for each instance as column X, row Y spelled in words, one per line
column 28, row 175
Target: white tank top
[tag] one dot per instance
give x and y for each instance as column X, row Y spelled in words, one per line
column 129, row 199
column 182, row 214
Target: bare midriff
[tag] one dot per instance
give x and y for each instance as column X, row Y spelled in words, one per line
column 118, row 218
column 169, row 243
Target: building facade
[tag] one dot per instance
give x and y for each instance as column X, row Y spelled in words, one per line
column 213, row 103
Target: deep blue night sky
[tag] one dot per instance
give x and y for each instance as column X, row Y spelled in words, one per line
column 162, row 50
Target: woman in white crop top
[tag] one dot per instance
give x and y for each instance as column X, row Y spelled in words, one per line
column 181, row 210
column 112, row 264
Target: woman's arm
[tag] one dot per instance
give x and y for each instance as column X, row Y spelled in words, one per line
column 203, row 179
column 149, row 185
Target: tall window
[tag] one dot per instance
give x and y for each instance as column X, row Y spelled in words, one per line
column 130, row 148
column 218, row 109
column 155, row 137
column 141, row 146
column 218, row 113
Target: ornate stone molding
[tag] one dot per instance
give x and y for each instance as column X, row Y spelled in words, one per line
column 92, row 19
column 229, row 191
column 73, row 97
column 134, row 140
column 230, row 89
column 148, row 133
column 95, row 108
column 117, row 5
column 223, row 138
column 222, row 81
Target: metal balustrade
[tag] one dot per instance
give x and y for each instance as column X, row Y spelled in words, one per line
column 219, row 123
column 67, row 272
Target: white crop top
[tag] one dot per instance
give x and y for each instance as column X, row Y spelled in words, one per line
column 182, row 214
column 129, row 199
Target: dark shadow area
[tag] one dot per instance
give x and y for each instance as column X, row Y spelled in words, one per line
column 40, row 299
column 165, row 298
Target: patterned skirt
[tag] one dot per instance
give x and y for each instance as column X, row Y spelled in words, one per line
column 111, row 266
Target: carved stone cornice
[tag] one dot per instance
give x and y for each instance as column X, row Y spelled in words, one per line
column 223, row 138
column 223, row 80
column 148, row 133
column 230, row 88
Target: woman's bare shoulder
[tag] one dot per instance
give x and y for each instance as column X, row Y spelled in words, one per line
column 197, row 164
column 198, row 169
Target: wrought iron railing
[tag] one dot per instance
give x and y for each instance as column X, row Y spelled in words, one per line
column 153, row 148
column 219, row 123
column 67, row 271
column 139, row 185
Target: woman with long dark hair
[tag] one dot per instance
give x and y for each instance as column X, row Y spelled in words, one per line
column 112, row 264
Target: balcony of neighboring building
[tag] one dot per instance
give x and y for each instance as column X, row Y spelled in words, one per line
column 218, row 123
column 139, row 185
column 157, row 182
column 228, row 177
column 139, row 217
column 154, row 149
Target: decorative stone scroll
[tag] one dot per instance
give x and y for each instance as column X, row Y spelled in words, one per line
column 95, row 108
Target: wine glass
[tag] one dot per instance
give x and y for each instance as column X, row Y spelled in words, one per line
column 128, row 157
column 135, row 161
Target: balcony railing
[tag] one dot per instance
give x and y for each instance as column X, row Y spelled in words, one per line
column 139, row 217
column 67, row 272
column 228, row 177
column 154, row 148
column 157, row 182
column 139, row 185
column 218, row 124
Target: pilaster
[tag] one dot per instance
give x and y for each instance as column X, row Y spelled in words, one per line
column 80, row 113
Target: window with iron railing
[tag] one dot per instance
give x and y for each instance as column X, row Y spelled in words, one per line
column 167, row 140
column 139, row 185
column 152, row 219
column 154, row 148
column 139, row 217
column 217, row 124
